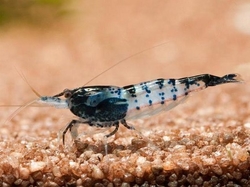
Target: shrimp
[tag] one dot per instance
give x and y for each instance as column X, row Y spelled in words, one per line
column 108, row 106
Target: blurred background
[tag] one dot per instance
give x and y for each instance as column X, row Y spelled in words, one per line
column 60, row 44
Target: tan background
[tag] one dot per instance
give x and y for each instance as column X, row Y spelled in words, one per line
column 201, row 37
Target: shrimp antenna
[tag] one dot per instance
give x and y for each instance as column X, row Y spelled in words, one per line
column 133, row 55
column 24, row 78
column 21, row 107
column 18, row 110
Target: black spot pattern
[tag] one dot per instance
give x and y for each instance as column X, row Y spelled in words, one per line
column 174, row 97
column 171, row 81
column 160, row 82
column 131, row 89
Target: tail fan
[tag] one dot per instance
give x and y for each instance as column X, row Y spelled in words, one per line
column 229, row 78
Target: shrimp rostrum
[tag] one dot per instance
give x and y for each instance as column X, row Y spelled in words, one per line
column 107, row 106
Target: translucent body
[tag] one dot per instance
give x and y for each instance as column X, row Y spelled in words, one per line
column 106, row 106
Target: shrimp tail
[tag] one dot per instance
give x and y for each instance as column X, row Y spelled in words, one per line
column 212, row 80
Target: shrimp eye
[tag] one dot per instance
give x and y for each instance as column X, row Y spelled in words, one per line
column 67, row 93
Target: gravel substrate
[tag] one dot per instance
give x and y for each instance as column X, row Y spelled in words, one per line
column 209, row 148
column 203, row 142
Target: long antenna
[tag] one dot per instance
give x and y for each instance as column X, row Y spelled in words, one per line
column 22, row 105
column 111, row 67
column 24, row 78
column 135, row 54
column 18, row 110
column 29, row 104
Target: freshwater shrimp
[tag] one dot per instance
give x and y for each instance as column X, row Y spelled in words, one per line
column 107, row 106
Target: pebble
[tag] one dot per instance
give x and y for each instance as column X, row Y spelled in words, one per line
column 36, row 166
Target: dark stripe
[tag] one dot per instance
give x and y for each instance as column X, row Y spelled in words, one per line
column 160, row 82
column 171, row 81
column 131, row 89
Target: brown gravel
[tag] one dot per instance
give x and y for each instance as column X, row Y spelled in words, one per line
column 203, row 142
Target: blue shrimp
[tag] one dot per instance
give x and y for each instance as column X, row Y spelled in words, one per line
column 107, row 106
